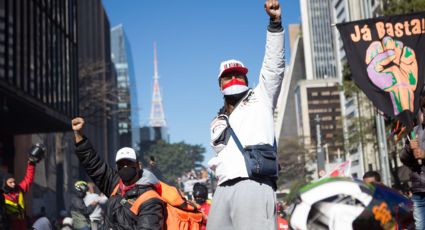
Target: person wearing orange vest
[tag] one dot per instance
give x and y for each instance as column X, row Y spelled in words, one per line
column 124, row 184
column 14, row 197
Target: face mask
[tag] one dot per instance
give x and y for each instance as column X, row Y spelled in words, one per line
column 127, row 174
column 234, row 86
column 199, row 200
column 235, row 98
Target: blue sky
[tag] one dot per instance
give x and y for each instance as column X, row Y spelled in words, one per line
column 192, row 38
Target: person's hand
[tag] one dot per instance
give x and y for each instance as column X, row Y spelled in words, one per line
column 393, row 68
column 419, row 154
column 77, row 124
column 94, row 203
column 414, row 144
column 272, row 8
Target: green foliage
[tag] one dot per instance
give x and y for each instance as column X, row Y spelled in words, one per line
column 293, row 158
column 394, row 7
column 362, row 126
column 175, row 159
column 349, row 87
column 294, row 190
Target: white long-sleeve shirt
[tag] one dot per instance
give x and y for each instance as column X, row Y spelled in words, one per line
column 96, row 215
column 252, row 119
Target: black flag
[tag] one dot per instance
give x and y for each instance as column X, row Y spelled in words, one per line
column 387, row 60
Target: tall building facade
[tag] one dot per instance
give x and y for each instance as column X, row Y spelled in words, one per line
column 38, row 90
column 317, row 98
column 38, row 65
column 97, row 81
column 43, row 46
column 356, row 108
column 317, row 34
column 320, row 99
column 128, row 116
column 285, row 119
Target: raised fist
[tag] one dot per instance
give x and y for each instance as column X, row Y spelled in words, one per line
column 77, row 124
column 273, row 9
column 393, row 68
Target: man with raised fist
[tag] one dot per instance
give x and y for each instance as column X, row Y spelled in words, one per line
column 245, row 196
column 123, row 185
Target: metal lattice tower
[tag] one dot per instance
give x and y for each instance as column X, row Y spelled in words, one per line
column 157, row 117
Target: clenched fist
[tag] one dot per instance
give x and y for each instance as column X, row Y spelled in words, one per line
column 77, row 124
column 273, row 9
column 393, row 68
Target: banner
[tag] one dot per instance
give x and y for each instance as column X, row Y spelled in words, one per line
column 386, row 56
column 344, row 170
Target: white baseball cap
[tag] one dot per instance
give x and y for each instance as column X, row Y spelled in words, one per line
column 126, row 153
column 232, row 66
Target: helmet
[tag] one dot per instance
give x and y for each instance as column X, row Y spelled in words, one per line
column 200, row 193
column 67, row 221
column 345, row 203
column 36, row 152
column 81, row 186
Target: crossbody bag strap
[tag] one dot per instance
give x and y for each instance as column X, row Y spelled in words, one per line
column 233, row 134
column 238, row 142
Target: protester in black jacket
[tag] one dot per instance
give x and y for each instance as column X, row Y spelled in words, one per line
column 79, row 211
column 130, row 181
column 413, row 156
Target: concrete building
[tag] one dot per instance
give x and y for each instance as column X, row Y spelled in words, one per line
column 320, row 98
column 317, row 35
column 128, row 109
column 285, row 115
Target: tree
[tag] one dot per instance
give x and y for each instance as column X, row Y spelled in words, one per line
column 175, row 159
column 99, row 96
column 293, row 159
column 362, row 127
column 394, row 7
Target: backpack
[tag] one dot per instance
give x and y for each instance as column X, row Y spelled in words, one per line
column 181, row 214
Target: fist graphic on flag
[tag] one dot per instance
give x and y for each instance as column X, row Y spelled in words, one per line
column 393, row 68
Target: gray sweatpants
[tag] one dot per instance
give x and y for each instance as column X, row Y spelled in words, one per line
column 244, row 205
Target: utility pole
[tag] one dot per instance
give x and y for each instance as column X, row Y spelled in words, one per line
column 383, row 152
column 320, row 154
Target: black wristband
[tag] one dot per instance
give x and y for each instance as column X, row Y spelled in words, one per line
column 275, row 26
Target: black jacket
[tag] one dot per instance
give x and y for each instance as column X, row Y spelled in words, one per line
column 118, row 216
column 417, row 172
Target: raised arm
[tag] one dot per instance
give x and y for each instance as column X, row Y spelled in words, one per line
column 29, row 177
column 273, row 67
column 102, row 175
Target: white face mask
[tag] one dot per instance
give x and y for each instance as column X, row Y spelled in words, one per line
column 234, row 86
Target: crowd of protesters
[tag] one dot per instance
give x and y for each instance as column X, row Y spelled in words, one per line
column 119, row 196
